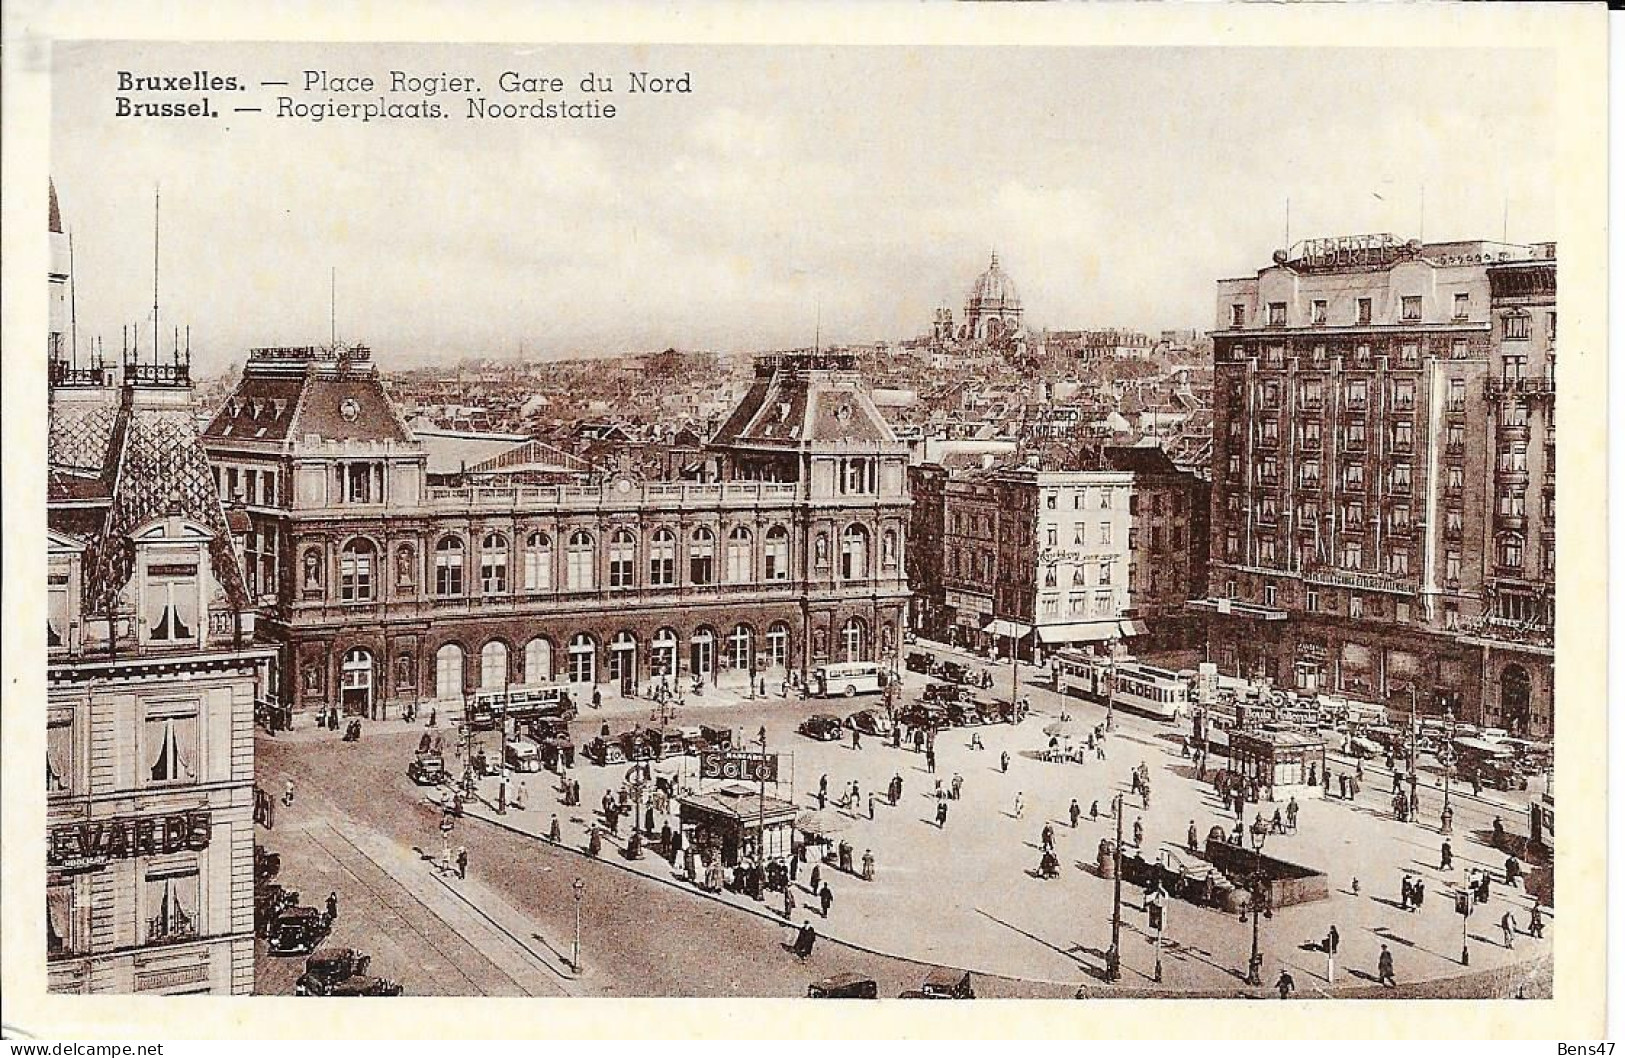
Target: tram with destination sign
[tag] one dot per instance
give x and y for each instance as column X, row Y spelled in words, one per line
column 1125, row 682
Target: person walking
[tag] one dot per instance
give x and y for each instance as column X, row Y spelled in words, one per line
column 942, row 814
column 1004, row 761
column 868, row 865
column 1537, row 925
column 1385, row 968
column 1418, row 894
column 896, row 789
column 1046, row 838
column 1139, row 832
column 333, row 908
column 871, row 806
column 931, row 759
column 825, row 899
column 1191, row 838
column 554, row 834
column 1507, row 929
column 1405, row 892
column 813, row 878
column 1292, row 815
column 789, row 901
column 1074, row 812
column 1285, row 984
column 1331, row 954
column 1277, row 824
column 462, row 862
column 857, row 739
column 1020, row 806
column 1094, row 811
column 1446, row 857
column 287, row 792
column 954, row 787
column 823, row 790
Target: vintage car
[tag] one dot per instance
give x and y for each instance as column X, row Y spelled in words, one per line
column 920, row 661
column 925, row 715
column 821, row 727
column 870, row 722
column 267, row 865
column 341, row 972
column 601, row 750
column 942, row 983
column 844, row 986
column 297, row 931
column 1502, row 775
column 956, row 672
column 968, row 712
column 426, row 769
column 270, row 900
column 945, row 693
column 522, row 754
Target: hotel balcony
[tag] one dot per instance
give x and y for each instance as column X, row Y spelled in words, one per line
column 1513, row 431
column 1511, row 522
column 1311, row 403
column 1503, row 388
column 1360, row 581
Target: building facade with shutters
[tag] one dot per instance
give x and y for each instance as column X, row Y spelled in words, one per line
column 386, row 590
column 1380, row 409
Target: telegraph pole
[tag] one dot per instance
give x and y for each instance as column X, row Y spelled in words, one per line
column 1114, row 958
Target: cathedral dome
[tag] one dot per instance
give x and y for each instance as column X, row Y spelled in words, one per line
column 994, row 288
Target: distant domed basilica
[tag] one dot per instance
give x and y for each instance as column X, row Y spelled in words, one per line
column 993, row 312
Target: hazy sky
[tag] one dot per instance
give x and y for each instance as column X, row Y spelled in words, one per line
column 865, row 185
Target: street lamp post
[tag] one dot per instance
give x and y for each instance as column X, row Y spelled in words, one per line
column 1255, row 963
column 578, row 887
column 1448, row 758
column 1111, row 683
column 1464, row 907
column 1114, row 957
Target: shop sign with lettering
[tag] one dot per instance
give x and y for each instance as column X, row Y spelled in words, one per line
column 90, row 843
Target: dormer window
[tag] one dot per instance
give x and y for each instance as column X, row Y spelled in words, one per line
column 56, row 610
column 171, row 602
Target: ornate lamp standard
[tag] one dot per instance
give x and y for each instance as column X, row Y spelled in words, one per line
column 1259, row 833
column 579, row 888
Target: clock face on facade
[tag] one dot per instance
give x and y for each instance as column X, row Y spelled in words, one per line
column 843, row 413
column 350, row 409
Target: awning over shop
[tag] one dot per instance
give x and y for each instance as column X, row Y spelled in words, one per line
column 1088, row 632
column 1132, row 628
column 1006, row 629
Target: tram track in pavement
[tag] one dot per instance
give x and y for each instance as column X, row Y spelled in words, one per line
column 385, row 892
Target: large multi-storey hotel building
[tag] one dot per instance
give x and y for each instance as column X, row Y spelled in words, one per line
column 1384, row 476
column 387, row 589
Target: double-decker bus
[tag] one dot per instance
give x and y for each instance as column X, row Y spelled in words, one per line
column 847, row 678
column 1126, row 683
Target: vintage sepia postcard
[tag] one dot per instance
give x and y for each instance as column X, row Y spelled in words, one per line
column 846, row 503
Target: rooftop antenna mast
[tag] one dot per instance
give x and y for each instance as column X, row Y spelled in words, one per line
column 155, row 275
column 73, row 303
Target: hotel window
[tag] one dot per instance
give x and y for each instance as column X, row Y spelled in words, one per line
column 1409, row 352
column 1050, row 535
column 1078, row 498
column 702, row 556
column 1354, row 516
column 61, row 932
column 1458, row 348
column 1277, row 314
column 59, row 754
column 56, row 610
column 1311, row 393
column 1318, row 353
column 1362, row 355
column 578, row 561
column 1402, row 477
column 1354, row 435
column 1266, row 551
column 358, row 478
column 493, row 564
column 1079, row 533
column 1238, row 314
column 1512, row 367
column 1459, row 307
column 1105, row 532
column 777, row 558
column 1177, row 536
column 1229, row 589
column 355, row 571
column 1452, row 616
column 1104, row 572
column 1269, row 595
column 1551, row 326
column 1452, row 523
column 855, row 553
column 1080, row 576
column 1235, row 466
column 448, row 566
column 1156, row 533
column 1410, row 308
column 1356, row 606
column 1458, row 394
column 1050, row 606
column 171, row 905
column 538, row 562
column 1050, row 577
column 623, row 557
column 1050, row 501
column 1232, row 545
column 170, row 738
column 1453, row 477
column 1512, row 504
column 1311, row 600
column 1362, row 311
column 1516, row 327
column 172, row 602
column 1404, row 394
column 1400, row 522
column 1105, row 499
column 1351, row 555
column 1103, row 603
column 1399, row 563
column 1510, row 551
column 1354, row 476
column 1076, row 606
column 1317, row 311
column 663, row 557
column 1133, row 539
column 1354, row 393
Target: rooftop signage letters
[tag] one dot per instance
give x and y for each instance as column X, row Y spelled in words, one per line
column 91, row 843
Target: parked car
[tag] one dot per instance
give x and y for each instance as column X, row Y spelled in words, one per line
column 270, row 900
column 267, row 865
column 297, row 931
column 341, row 972
column 870, row 722
column 942, row 983
column 523, row 755
column 956, row 672
column 426, row 769
column 821, row 727
column 919, row 661
column 945, row 693
column 844, row 986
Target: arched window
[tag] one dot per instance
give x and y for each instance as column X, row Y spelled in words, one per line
column 778, row 645
column 448, row 566
column 356, row 563
column 494, row 564
column 702, row 652
column 538, row 562
column 579, row 558
column 776, row 560
column 739, row 555
column 538, row 661
column 448, row 671
column 855, row 553
column 583, row 658
column 854, row 639
column 739, row 647
column 663, row 558
column 494, row 665
column 702, row 557
column 623, row 550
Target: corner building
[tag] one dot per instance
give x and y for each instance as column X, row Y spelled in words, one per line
column 1373, row 476
column 387, row 590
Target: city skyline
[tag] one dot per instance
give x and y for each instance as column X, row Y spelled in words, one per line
column 659, row 228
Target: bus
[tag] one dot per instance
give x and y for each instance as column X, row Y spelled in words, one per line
column 1139, row 687
column 847, row 678
column 522, row 702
